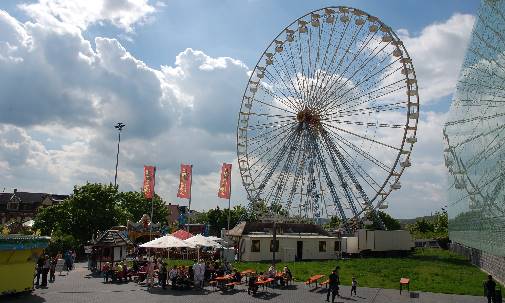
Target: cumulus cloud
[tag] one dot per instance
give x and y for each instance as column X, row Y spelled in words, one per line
column 61, row 94
column 437, row 54
column 81, row 14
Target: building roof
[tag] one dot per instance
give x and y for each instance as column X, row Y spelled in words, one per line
column 246, row 228
column 112, row 238
column 30, row 198
column 182, row 234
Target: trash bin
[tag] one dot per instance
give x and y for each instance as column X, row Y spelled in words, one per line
column 497, row 296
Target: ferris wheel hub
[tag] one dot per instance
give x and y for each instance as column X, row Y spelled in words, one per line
column 309, row 117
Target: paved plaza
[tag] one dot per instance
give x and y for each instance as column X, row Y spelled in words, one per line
column 80, row 287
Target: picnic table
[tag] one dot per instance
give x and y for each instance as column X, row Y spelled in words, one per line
column 406, row 282
column 314, row 280
column 264, row 282
column 222, row 282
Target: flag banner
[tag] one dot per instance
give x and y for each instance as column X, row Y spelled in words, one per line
column 149, row 172
column 225, row 184
column 185, row 182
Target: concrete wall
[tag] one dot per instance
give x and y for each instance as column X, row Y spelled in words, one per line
column 494, row 265
column 287, row 246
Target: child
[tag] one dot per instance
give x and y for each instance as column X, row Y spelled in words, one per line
column 354, row 285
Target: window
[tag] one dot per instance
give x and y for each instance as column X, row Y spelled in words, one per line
column 13, row 205
column 337, row 245
column 276, row 245
column 322, row 246
column 255, row 246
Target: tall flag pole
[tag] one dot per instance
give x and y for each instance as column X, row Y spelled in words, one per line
column 225, row 187
column 185, row 182
column 149, row 183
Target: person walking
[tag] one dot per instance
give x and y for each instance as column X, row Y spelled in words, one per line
column 162, row 275
column 52, row 269
column 40, row 265
column 490, row 289
column 332, row 286
column 45, row 270
column 354, row 286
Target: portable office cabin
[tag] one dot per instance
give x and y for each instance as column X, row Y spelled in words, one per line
column 384, row 240
column 258, row 247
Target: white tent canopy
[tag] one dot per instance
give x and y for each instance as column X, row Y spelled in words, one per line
column 215, row 239
column 167, row 241
column 200, row 240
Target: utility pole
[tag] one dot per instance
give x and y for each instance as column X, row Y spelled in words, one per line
column 119, row 126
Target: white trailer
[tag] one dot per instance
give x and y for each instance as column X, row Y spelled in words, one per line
column 384, row 240
column 349, row 245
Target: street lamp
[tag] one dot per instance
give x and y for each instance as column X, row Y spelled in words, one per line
column 119, row 127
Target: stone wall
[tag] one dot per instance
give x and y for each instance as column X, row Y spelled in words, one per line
column 494, row 265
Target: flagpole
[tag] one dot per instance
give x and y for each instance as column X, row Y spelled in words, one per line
column 229, row 204
column 189, row 203
column 151, row 229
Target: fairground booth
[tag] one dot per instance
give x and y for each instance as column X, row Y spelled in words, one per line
column 111, row 246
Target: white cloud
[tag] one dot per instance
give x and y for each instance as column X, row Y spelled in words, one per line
column 81, row 14
column 60, row 96
column 437, row 54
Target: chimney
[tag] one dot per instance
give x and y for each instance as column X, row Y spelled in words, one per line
column 15, row 190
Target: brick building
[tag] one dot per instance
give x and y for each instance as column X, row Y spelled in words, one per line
column 23, row 206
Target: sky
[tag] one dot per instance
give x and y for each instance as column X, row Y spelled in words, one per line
column 174, row 72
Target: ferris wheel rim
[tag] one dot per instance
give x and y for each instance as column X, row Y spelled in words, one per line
column 394, row 172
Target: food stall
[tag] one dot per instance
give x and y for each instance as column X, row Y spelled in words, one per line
column 18, row 256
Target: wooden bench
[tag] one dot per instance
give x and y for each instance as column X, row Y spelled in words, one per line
column 231, row 285
column 325, row 283
column 313, row 279
column 213, row 283
column 406, row 282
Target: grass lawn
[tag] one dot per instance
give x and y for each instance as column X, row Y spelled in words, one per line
column 432, row 270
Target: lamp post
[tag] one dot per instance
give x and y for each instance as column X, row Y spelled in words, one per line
column 119, row 126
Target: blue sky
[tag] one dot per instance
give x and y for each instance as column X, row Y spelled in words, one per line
column 69, row 70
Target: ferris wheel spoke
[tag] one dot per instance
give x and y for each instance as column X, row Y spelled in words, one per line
column 370, row 98
column 317, row 71
column 265, row 135
column 272, row 164
column 360, row 170
column 325, row 102
column 375, row 124
column 294, row 94
column 300, row 86
column 276, row 107
column 292, row 77
column 329, row 182
column 276, row 147
column 362, row 152
column 368, row 38
column 333, row 147
column 362, row 137
column 343, row 182
column 369, row 110
column 357, row 85
column 268, row 144
column 283, row 98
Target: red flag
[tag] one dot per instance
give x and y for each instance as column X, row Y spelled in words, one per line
column 185, row 182
column 149, row 173
column 225, row 184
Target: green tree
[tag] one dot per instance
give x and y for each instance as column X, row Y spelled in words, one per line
column 136, row 205
column 90, row 208
column 389, row 222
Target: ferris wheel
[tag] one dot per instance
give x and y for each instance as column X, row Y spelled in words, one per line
column 329, row 117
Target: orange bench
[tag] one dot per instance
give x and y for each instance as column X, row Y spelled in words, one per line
column 404, row 281
column 313, row 279
column 325, row 283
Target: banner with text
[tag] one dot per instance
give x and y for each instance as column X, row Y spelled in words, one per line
column 185, row 182
column 149, row 175
column 225, row 184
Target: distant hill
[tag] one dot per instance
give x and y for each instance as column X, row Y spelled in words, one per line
column 405, row 222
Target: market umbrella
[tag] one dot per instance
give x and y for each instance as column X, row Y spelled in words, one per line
column 167, row 241
column 182, row 234
column 200, row 241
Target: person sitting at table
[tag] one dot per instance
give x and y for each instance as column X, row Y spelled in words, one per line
column 119, row 272
column 162, row 275
column 172, row 275
column 237, row 277
column 252, row 286
column 286, row 275
column 125, row 271
column 272, row 272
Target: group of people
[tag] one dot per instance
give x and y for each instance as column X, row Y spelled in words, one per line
column 278, row 279
column 117, row 272
column 46, row 265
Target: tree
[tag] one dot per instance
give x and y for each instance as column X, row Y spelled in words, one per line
column 92, row 207
column 389, row 222
column 136, row 205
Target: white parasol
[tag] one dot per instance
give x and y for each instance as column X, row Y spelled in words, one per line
column 167, row 241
